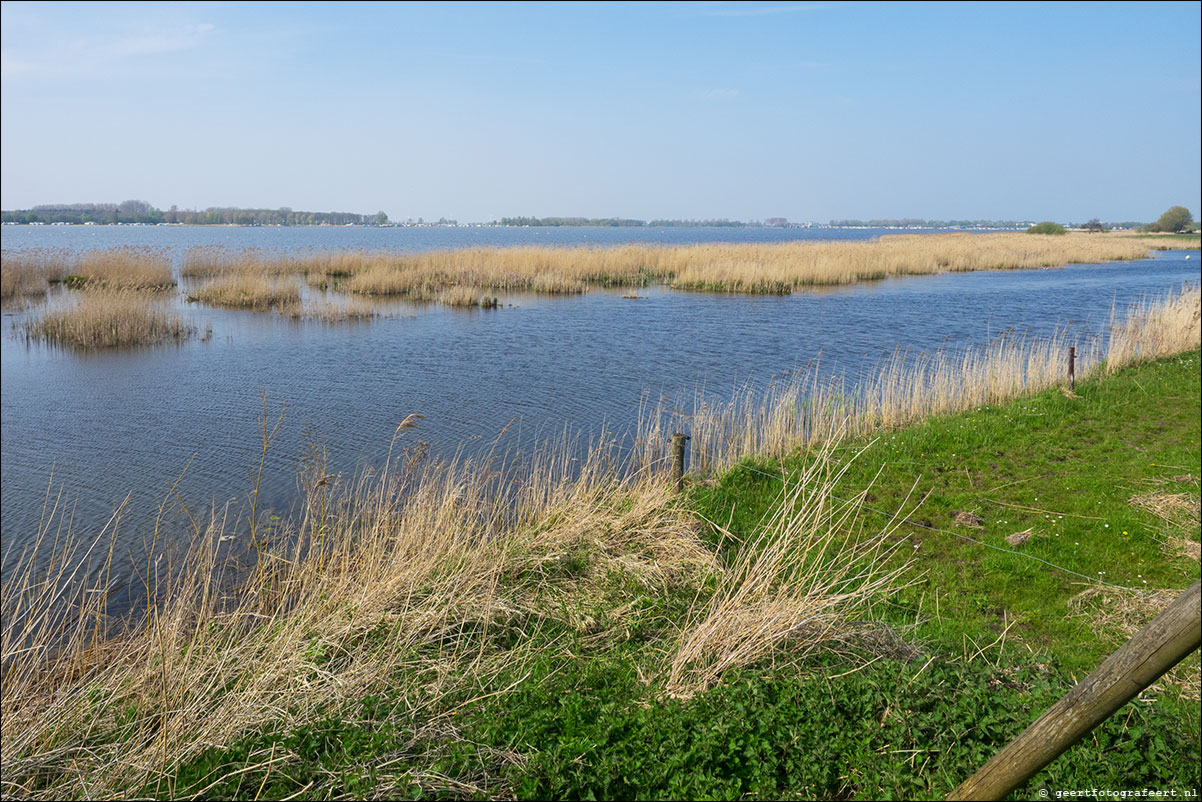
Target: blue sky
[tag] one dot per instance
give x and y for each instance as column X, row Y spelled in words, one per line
column 810, row 111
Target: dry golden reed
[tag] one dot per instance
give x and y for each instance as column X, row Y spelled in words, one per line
column 24, row 273
column 248, row 290
column 127, row 267
column 721, row 267
column 330, row 311
column 809, row 409
column 466, row 297
column 1155, row 328
column 394, row 581
column 808, row 573
column 108, row 318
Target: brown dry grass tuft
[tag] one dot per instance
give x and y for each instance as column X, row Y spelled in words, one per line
column 810, row 572
column 467, row 298
column 1190, row 549
column 1179, row 510
column 1017, row 539
column 1115, row 614
column 239, row 290
column 26, row 272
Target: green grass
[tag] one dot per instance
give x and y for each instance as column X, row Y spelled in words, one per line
column 1192, row 236
column 1063, row 467
column 589, row 719
column 593, row 730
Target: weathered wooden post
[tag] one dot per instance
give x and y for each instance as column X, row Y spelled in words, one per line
column 1156, row 648
column 1072, row 367
column 678, row 446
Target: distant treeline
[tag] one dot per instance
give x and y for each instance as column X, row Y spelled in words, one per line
column 618, row 222
column 912, row 222
column 135, row 211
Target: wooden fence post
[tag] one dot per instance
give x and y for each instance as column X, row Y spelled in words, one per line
column 678, row 446
column 1072, row 367
column 1156, row 648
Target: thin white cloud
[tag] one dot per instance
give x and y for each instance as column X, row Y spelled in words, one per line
column 74, row 55
column 11, row 66
column 168, row 40
column 759, row 11
column 717, row 94
column 496, row 57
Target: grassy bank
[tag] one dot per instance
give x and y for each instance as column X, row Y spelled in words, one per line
column 571, row 631
column 981, row 641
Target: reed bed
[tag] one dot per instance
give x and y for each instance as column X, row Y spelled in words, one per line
column 127, row 267
column 328, row 311
column 808, row 410
column 207, row 261
column 24, row 274
column 791, row 266
column 108, row 318
column 1155, row 328
column 397, row 581
column 247, row 290
column 742, row 268
column 421, row 580
column 18, row 285
column 467, row 297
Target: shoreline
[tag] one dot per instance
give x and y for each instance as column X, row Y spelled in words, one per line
column 408, row 579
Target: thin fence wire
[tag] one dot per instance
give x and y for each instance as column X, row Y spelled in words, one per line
column 892, row 517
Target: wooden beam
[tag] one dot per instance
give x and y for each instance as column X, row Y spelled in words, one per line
column 1156, row 648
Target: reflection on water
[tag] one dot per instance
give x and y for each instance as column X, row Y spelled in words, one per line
column 110, row 423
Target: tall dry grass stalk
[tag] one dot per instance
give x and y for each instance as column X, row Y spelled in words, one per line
column 810, row 571
column 747, row 268
column 108, row 318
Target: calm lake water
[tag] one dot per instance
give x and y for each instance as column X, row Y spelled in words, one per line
column 101, row 425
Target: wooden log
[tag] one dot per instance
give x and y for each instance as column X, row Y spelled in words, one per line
column 1156, row 648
